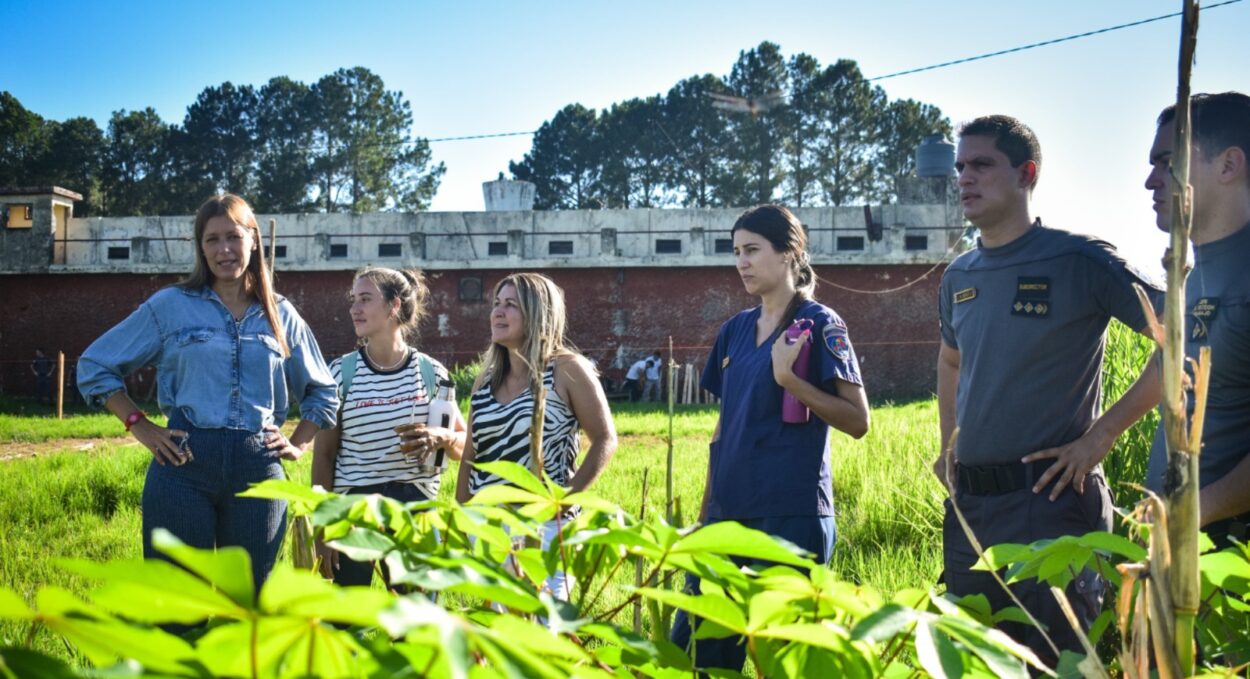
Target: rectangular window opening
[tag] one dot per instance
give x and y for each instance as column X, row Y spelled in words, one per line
column 119, row 252
column 390, row 250
column 849, row 243
column 279, row 252
column 497, row 248
column 338, row 250
column 724, row 246
column 667, row 246
column 916, row 243
column 560, row 247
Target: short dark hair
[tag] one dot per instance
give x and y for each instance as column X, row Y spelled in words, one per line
column 1015, row 139
column 1220, row 121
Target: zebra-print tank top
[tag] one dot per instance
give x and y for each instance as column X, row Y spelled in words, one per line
column 501, row 431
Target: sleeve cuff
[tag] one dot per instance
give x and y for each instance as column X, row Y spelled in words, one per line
column 97, row 400
column 320, row 419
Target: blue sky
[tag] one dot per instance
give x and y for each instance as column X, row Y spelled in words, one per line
column 482, row 67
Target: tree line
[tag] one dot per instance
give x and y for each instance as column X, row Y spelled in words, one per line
column 343, row 143
column 805, row 134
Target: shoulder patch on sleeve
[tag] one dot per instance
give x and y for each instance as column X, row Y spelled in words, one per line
column 836, row 340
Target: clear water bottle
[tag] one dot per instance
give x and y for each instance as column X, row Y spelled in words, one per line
column 443, row 412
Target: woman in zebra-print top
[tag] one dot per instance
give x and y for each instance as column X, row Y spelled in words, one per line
column 501, row 431
column 528, row 348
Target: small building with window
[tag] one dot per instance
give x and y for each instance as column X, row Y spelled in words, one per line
column 34, row 227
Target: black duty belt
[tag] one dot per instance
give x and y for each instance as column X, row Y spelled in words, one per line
column 999, row 479
column 1234, row 527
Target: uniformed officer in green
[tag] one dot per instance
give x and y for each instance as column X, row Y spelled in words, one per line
column 1024, row 318
column 1217, row 300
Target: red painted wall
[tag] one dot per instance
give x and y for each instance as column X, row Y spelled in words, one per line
column 895, row 333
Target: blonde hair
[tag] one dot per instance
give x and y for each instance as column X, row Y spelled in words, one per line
column 541, row 302
column 407, row 286
column 257, row 277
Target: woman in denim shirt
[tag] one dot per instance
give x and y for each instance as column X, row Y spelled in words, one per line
column 229, row 353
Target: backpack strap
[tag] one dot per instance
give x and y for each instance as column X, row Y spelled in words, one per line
column 347, row 370
column 428, row 375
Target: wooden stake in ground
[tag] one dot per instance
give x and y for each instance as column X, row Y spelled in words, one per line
column 642, row 516
column 668, row 465
column 1182, row 474
column 60, row 385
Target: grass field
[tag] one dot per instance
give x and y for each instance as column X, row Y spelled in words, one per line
column 28, row 421
column 76, row 504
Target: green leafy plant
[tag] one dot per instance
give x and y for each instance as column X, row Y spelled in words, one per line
column 465, row 597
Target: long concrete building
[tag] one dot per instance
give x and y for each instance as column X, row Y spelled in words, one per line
column 633, row 278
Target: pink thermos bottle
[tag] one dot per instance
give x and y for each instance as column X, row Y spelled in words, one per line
column 792, row 409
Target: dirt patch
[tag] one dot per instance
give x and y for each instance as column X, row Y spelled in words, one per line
column 17, row 451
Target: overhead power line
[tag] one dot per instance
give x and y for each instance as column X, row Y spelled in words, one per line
column 910, row 71
column 933, row 66
column 485, row 136
column 1044, row 43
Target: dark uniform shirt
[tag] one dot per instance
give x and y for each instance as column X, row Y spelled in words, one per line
column 1217, row 314
column 760, row 466
column 1029, row 320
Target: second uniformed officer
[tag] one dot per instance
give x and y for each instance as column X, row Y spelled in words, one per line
column 1217, row 301
column 1024, row 318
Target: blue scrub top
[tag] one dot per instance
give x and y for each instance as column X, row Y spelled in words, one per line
column 760, row 466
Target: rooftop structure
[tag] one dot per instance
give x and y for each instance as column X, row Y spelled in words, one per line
column 40, row 236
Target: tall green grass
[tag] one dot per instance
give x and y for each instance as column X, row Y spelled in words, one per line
column 888, row 501
column 1126, row 355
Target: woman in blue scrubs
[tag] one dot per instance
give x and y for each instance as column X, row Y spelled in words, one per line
column 762, row 472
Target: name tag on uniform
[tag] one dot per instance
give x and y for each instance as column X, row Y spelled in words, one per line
column 1202, row 315
column 1032, row 296
column 965, row 295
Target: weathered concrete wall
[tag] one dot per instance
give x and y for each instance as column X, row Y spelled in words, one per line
column 509, row 240
column 28, row 249
column 615, row 314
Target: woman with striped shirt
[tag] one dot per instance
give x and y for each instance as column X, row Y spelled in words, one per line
column 386, row 388
column 528, row 348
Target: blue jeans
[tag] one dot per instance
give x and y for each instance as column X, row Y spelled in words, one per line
column 197, row 501
column 816, row 534
column 360, row 573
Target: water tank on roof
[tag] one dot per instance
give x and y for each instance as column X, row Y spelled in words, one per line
column 935, row 157
column 508, row 194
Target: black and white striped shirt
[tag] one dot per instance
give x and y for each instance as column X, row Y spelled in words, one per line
column 377, row 402
column 501, row 431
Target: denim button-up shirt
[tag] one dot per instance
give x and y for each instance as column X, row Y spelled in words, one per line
column 219, row 372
